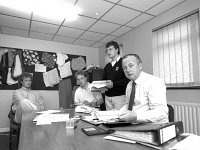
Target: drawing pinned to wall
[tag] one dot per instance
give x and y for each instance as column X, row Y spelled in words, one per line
column 65, row 70
column 30, row 57
column 78, row 63
column 49, row 60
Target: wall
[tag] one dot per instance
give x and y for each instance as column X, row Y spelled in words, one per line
column 51, row 97
column 139, row 41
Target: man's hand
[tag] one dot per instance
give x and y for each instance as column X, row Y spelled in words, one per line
column 109, row 84
column 86, row 103
column 129, row 116
column 93, row 104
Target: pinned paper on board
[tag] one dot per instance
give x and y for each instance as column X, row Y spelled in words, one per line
column 40, row 68
column 65, row 70
column 78, row 63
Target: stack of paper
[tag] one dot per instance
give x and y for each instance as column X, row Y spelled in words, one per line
column 99, row 84
column 107, row 116
column 49, row 118
column 48, row 112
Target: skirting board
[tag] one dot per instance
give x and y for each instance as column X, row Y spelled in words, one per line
column 4, row 130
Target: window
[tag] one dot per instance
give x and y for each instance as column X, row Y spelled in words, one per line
column 176, row 54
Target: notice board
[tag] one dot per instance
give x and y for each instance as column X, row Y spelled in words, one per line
column 38, row 63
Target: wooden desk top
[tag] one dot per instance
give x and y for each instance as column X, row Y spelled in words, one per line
column 57, row 137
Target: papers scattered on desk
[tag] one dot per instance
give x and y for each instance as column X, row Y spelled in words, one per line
column 49, row 118
column 192, row 142
column 113, row 138
column 48, row 112
column 83, row 109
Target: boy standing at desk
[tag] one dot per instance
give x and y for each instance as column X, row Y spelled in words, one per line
column 116, row 79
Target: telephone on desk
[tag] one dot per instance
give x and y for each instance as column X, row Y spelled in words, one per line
column 83, row 109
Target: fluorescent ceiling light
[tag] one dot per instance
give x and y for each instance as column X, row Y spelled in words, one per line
column 52, row 9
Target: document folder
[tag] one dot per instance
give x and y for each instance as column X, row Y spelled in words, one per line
column 153, row 133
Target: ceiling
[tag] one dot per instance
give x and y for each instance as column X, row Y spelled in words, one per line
column 99, row 21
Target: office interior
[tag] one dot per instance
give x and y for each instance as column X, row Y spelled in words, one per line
column 138, row 40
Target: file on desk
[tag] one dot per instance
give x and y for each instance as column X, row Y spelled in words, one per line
column 152, row 133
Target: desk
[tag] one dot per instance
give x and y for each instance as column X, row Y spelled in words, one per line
column 56, row 137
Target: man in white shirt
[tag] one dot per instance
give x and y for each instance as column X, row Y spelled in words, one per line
column 83, row 95
column 25, row 99
column 147, row 103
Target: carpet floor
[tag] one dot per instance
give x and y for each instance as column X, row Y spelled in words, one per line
column 4, row 141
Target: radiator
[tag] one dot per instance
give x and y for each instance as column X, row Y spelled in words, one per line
column 189, row 114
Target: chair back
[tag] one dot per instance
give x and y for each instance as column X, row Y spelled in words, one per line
column 14, row 128
column 170, row 113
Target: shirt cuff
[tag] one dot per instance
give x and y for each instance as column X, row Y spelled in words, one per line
column 141, row 117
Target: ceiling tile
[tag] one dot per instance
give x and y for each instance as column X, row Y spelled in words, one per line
column 94, row 8
column 98, row 44
column 43, row 19
column 92, row 36
column 14, row 12
column 44, row 27
column 108, row 39
column 70, row 32
column 141, row 5
column 120, row 15
column 16, row 32
column 81, row 22
column 83, row 42
column 104, row 27
column 114, row 1
column 139, row 20
column 121, row 31
column 63, row 39
column 164, row 6
column 14, row 22
column 41, row 36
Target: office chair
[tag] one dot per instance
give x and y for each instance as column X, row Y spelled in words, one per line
column 14, row 129
column 170, row 113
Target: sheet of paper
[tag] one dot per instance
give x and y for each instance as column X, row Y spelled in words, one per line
column 48, row 112
column 40, row 68
column 65, row 70
column 59, row 117
column 109, row 137
column 107, row 115
column 43, row 119
column 99, row 84
column 49, row 118
column 192, row 142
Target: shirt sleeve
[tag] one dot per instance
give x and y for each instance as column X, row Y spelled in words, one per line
column 17, row 97
column 158, row 109
column 77, row 98
column 98, row 97
column 40, row 102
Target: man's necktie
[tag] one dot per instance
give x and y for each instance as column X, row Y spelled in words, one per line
column 132, row 97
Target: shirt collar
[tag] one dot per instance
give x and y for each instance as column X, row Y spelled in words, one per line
column 118, row 58
column 140, row 78
column 26, row 89
column 88, row 86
